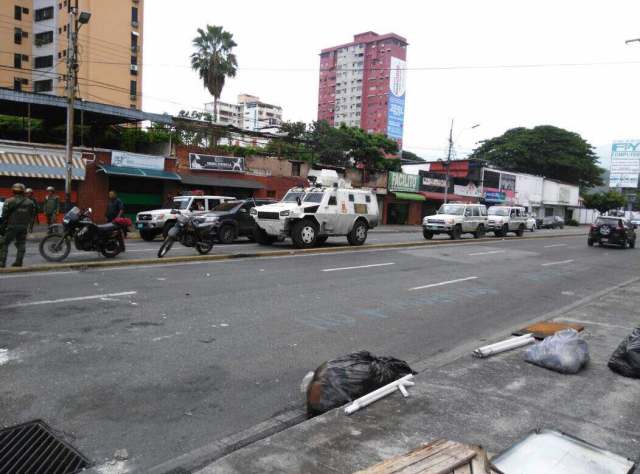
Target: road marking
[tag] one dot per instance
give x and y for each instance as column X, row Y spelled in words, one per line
column 548, row 264
column 355, row 268
column 485, row 253
column 554, row 245
column 31, row 275
column 443, row 283
column 67, row 300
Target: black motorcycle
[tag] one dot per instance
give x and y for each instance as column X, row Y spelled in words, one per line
column 190, row 231
column 77, row 226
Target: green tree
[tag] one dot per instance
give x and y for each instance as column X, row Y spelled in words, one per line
column 544, row 150
column 604, row 201
column 214, row 60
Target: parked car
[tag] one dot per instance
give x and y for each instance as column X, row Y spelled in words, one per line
column 505, row 219
column 531, row 223
column 612, row 230
column 550, row 222
column 232, row 219
column 150, row 224
column 635, row 218
column 455, row 220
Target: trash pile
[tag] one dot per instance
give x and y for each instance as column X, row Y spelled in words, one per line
column 349, row 377
column 564, row 352
column 626, row 358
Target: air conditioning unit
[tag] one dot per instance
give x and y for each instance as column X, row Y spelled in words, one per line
column 133, row 97
column 134, row 24
column 134, row 68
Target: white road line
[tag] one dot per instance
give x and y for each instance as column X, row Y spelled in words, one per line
column 554, row 245
column 31, row 275
column 443, row 283
column 485, row 253
column 548, row 264
column 67, row 300
column 355, row 268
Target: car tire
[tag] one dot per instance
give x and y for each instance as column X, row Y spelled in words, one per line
column 427, row 235
column 479, row 233
column 632, row 244
column 358, row 234
column 304, row 234
column 590, row 242
column 226, row 234
column 167, row 227
column 261, row 237
column 520, row 231
column 148, row 235
column 455, row 233
column 624, row 245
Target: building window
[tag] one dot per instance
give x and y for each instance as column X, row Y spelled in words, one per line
column 43, row 61
column 17, row 61
column 44, row 14
column 18, row 35
column 44, row 38
column 134, row 42
column 133, row 89
column 17, row 13
column 134, row 17
column 18, row 82
column 43, row 86
column 295, row 169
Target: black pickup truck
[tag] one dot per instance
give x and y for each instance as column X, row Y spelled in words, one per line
column 232, row 219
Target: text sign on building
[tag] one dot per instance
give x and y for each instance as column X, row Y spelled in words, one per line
column 625, row 164
column 216, row 163
column 397, row 89
column 136, row 160
column 404, row 182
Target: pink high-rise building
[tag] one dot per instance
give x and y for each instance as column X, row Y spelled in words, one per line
column 362, row 84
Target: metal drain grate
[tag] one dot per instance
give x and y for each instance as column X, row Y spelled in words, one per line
column 32, row 448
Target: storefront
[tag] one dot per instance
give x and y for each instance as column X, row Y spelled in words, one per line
column 403, row 203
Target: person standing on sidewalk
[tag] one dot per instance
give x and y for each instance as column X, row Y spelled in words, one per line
column 28, row 193
column 17, row 213
column 115, row 207
column 51, row 206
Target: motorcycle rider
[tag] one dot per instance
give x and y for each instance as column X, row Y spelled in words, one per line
column 17, row 214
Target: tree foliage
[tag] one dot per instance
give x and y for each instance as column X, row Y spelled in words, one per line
column 604, row 201
column 543, row 150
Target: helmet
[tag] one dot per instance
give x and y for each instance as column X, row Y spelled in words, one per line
column 50, row 188
column 18, row 188
column 28, row 190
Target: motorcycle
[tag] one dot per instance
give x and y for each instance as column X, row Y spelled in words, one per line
column 190, row 231
column 77, row 226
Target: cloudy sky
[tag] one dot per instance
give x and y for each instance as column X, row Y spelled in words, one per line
column 461, row 59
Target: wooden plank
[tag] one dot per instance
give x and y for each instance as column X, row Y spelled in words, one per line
column 466, row 469
column 444, row 463
column 406, row 459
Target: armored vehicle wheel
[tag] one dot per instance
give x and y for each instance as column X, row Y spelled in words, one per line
column 358, row 234
column 304, row 234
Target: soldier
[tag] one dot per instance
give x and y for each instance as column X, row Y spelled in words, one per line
column 51, row 206
column 17, row 213
column 29, row 195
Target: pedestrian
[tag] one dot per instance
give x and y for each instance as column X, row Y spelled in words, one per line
column 115, row 208
column 17, row 213
column 51, row 206
column 28, row 193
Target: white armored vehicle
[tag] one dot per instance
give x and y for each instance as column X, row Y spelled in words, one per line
column 309, row 216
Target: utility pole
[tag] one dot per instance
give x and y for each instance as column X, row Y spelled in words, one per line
column 72, row 81
column 446, row 186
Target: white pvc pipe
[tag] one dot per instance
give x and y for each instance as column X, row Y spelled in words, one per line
column 377, row 394
column 503, row 346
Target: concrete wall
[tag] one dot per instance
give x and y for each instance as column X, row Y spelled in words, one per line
column 529, row 190
column 556, row 193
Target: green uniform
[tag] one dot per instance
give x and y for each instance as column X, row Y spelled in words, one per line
column 17, row 214
column 51, row 207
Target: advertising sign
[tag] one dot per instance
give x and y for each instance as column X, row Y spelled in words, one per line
column 397, row 87
column 470, row 190
column 434, row 182
column 494, row 196
column 404, row 182
column 216, row 163
column 625, row 164
column 136, row 160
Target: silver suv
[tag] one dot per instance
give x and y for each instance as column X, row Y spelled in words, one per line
column 455, row 220
column 504, row 219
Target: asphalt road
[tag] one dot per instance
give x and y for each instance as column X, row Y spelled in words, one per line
column 162, row 360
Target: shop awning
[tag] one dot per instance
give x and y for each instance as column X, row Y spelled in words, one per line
column 220, row 182
column 139, row 172
column 47, row 166
column 409, row 196
column 450, row 197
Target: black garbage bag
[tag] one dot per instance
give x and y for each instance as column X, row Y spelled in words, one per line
column 626, row 358
column 346, row 378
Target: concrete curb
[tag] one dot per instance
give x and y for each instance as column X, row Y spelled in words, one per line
column 275, row 253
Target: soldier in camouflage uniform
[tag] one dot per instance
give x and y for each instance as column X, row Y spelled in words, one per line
column 17, row 213
column 29, row 195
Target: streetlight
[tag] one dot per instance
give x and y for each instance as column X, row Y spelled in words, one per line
column 448, row 163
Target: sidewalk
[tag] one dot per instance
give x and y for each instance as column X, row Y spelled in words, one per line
column 491, row 402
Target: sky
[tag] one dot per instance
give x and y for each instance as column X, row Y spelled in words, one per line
column 460, row 62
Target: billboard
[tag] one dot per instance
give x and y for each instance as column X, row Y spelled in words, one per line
column 216, row 163
column 625, row 164
column 136, row 160
column 404, row 182
column 395, row 106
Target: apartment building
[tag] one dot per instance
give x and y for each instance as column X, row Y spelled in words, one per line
column 249, row 113
column 34, row 35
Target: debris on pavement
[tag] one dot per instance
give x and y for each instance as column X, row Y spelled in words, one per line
column 439, row 456
column 625, row 360
column 346, row 378
column 121, row 455
column 560, row 453
column 369, row 398
column 564, row 352
column 502, row 346
column 547, row 328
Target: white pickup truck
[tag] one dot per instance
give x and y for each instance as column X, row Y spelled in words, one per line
column 504, row 219
column 150, row 224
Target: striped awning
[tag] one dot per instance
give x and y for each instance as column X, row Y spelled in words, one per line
column 48, row 166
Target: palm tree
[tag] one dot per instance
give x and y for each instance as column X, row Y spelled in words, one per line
column 214, row 60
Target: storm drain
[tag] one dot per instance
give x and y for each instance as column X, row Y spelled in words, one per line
column 32, row 448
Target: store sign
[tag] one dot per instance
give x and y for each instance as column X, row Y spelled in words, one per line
column 397, row 88
column 625, row 164
column 404, row 182
column 434, row 182
column 469, row 190
column 136, row 160
column 494, row 196
column 216, row 163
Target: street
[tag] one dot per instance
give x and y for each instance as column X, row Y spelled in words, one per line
column 163, row 360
